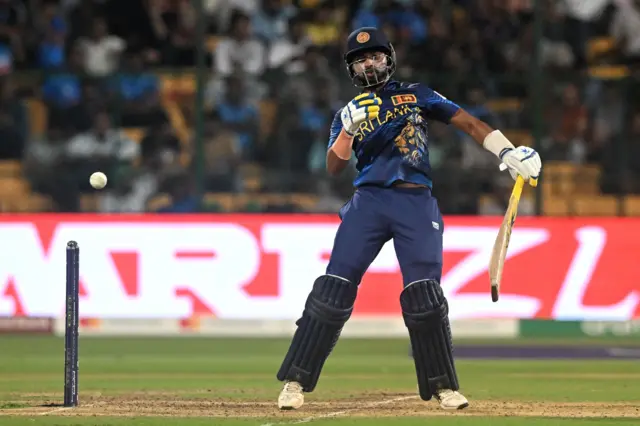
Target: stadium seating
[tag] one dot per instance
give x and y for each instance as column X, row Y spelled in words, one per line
column 10, row 168
column 37, row 112
column 555, row 206
column 596, row 205
column 567, row 189
column 609, row 72
column 631, row 205
column 504, row 105
column 158, row 202
column 89, row 203
column 600, row 47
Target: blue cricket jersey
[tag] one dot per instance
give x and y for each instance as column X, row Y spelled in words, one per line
column 394, row 146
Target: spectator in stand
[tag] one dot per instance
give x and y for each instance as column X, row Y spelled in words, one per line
column 222, row 156
column 240, row 50
column 53, row 31
column 181, row 188
column 236, row 113
column 324, row 29
column 569, row 128
column 13, row 122
column 238, row 53
column 626, row 29
column 13, row 19
column 270, row 21
column 298, row 97
column 484, row 49
column 409, row 22
column 138, row 93
column 160, row 141
column 309, row 131
column 607, row 119
column 80, row 17
column 46, row 169
column 132, row 187
column 101, row 51
column 476, row 106
column 51, row 52
column 101, row 148
column 6, row 60
column 62, row 93
column 226, row 9
column 174, row 24
column 302, row 82
column 287, row 52
column 621, row 162
column 556, row 52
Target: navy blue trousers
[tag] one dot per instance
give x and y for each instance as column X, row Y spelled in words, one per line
column 373, row 216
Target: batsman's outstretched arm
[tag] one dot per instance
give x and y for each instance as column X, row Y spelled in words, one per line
column 523, row 161
column 477, row 129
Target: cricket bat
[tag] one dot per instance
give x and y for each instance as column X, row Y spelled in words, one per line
column 499, row 253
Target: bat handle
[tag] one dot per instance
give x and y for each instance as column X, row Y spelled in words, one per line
column 532, row 181
column 517, row 188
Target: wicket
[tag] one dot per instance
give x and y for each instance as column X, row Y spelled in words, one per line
column 71, row 326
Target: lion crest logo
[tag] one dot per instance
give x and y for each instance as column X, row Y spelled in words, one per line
column 412, row 140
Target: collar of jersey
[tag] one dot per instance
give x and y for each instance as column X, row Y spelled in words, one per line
column 389, row 85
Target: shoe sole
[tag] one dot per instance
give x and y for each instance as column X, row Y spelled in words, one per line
column 459, row 407
column 288, row 407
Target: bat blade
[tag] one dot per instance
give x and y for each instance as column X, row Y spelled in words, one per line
column 500, row 246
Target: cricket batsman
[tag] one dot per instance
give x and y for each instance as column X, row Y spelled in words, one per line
column 386, row 127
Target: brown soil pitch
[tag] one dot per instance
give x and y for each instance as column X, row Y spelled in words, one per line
column 373, row 405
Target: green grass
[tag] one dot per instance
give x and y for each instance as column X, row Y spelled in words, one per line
column 142, row 381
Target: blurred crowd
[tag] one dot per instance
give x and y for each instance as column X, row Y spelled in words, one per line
column 274, row 78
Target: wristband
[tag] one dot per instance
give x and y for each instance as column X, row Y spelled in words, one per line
column 497, row 143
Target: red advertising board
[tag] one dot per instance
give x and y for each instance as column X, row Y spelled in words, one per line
column 263, row 266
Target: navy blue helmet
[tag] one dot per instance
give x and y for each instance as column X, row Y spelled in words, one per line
column 365, row 40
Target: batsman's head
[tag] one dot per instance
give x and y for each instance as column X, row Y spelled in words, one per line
column 370, row 58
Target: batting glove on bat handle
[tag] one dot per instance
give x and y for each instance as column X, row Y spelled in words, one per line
column 532, row 181
column 523, row 161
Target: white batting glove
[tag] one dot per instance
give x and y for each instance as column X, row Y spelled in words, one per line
column 362, row 108
column 523, row 161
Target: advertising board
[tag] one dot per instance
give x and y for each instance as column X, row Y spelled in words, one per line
column 263, row 266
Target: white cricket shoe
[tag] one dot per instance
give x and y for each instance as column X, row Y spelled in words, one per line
column 451, row 400
column 291, row 397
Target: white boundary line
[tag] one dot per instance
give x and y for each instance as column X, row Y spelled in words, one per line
column 340, row 413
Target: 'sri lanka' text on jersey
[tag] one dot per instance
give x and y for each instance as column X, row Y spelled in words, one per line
column 394, row 146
